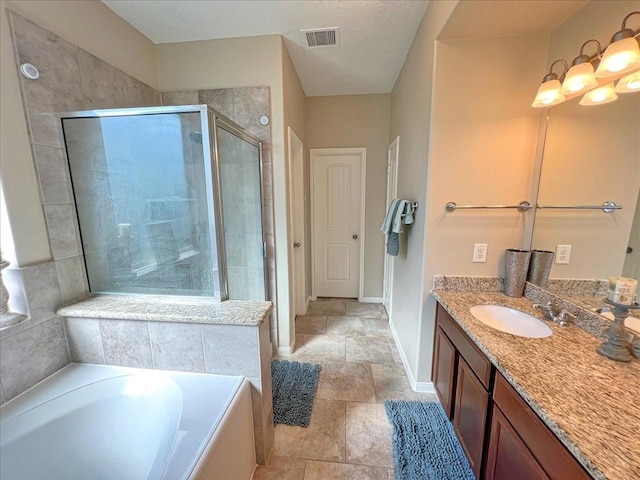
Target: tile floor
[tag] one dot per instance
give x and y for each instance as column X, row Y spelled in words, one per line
column 349, row 436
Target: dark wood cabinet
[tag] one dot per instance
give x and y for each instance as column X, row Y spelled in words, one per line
column 444, row 370
column 507, row 455
column 470, row 415
column 501, row 435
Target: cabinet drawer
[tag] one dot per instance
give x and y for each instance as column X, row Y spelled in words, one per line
column 472, row 355
column 552, row 455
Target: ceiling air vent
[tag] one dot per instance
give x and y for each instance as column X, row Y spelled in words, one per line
column 322, row 37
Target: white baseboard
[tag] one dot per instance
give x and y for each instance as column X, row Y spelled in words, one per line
column 370, row 299
column 420, row 387
column 306, row 305
column 285, row 351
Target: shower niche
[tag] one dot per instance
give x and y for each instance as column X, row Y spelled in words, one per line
column 169, row 202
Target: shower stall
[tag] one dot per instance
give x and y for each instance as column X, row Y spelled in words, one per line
column 169, row 202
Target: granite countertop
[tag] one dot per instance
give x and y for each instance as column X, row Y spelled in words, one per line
column 591, row 403
column 169, row 309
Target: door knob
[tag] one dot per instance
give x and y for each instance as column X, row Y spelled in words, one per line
column 355, row 237
column 296, row 245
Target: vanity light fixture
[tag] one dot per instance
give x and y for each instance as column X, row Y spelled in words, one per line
column 599, row 96
column 629, row 84
column 549, row 92
column 623, row 53
column 580, row 76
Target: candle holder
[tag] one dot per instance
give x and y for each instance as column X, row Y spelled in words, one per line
column 617, row 346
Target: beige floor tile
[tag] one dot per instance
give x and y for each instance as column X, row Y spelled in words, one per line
column 377, row 328
column 323, row 439
column 365, row 309
column 391, row 383
column 343, row 471
column 345, row 325
column 368, row 435
column 327, row 307
column 346, row 381
column 368, row 350
column 392, row 475
column 394, row 351
column 311, row 324
column 318, row 348
column 281, row 468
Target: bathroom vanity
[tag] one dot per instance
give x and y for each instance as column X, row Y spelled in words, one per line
column 533, row 408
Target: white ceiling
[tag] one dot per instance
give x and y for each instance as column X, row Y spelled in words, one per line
column 375, row 35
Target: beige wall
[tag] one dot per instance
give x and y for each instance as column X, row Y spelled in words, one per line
column 410, row 119
column 92, row 26
column 469, row 138
column 482, row 152
column 294, row 117
column 585, row 151
column 359, row 121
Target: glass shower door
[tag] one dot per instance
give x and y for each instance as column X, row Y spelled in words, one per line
column 240, row 173
column 143, row 186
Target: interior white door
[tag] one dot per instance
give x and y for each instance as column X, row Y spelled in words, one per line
column 337, row 220
column 392, row 188
column 296, row 212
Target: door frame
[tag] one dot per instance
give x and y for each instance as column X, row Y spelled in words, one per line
column 392, row 191
column 362, row 151
column 296, row 199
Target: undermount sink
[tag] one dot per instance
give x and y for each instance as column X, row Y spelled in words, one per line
column 511, row 321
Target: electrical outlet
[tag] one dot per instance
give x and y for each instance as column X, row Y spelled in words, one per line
column 479, row 252
column 563, row 254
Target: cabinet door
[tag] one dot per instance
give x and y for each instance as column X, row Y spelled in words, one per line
column 508, row 457
column 470, row 414
column 444, row 370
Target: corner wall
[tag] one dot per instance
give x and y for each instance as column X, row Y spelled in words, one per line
column 462, row 109
column 411, row 119
column 242, row 62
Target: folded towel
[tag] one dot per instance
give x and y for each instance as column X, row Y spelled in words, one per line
column 393, row 244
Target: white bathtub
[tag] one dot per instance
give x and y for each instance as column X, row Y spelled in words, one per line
column 101, row 422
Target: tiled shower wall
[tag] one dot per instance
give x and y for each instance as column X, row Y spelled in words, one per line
column 70, row 79
column 245, row 106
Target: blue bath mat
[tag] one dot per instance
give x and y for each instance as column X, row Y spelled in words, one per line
column 294, row 386
column 425, row 446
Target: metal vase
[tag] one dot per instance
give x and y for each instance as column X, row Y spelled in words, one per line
column 539, row 267
column 516, row 265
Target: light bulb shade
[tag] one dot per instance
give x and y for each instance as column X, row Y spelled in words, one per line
column 630, row 83
column 619, row 57
column 548, row 94
column 599, row 96
column 580, row 78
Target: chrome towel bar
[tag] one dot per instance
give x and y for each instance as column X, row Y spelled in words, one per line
column 522, row 206
column 606, row 207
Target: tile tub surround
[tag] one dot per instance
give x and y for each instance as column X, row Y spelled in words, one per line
column 589, row 402
column 176, row 333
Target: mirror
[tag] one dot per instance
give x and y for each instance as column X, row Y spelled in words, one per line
column 591, row 155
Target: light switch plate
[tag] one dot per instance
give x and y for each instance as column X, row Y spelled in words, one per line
column 480, row 252
column 563, row 254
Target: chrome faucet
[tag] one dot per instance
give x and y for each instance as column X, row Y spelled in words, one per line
column 556, row 314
